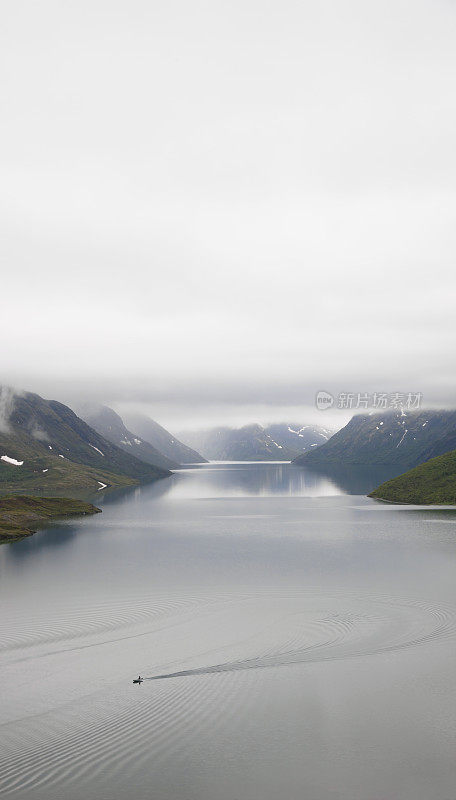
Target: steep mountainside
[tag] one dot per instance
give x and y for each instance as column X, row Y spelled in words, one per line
column 256, row 443
column 431, row 482
column 159, row 437
column 441, row 446
column 44, row 446
column 104, row 420
column 402, row 438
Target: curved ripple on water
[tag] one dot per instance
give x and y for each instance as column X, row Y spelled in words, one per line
column 126, row 728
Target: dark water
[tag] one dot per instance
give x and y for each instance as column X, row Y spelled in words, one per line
column 297, row 641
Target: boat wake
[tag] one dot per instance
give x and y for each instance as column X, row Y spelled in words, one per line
column 376, row 625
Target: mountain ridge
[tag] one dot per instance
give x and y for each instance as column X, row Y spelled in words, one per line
column 109, row 424
column 168, row 444
column 254, row 442
column 45, row 446
column 392, row 437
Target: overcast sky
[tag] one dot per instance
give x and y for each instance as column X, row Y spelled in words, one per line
column 212, row 210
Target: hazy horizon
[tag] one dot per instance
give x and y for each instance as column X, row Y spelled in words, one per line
column 333, row 419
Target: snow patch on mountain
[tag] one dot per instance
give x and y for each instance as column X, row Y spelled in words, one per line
column 12, row 461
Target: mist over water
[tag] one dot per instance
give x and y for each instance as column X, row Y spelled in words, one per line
column 298, row 640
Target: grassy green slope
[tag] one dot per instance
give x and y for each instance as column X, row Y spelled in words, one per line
column 44, row 470
column 431, row 482
column 23, row 515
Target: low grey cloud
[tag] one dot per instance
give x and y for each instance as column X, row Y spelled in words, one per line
column 39, row 434
column 7, row 395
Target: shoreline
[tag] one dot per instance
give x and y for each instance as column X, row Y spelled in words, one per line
column 23, row 515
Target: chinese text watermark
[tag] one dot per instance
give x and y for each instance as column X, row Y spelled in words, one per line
column 379, row 401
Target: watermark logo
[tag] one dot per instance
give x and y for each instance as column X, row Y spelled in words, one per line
column 379, row 401
column 324, row 400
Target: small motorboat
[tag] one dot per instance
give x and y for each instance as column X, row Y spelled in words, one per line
column 138, row 680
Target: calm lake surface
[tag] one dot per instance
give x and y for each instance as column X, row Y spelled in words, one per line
column 298, row 642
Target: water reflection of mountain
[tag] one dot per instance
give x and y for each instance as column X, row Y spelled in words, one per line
column 237, row 480
column 357, row 479
column 55, row 536
column 277, row 479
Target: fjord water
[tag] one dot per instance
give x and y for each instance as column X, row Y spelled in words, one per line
column 298, row 641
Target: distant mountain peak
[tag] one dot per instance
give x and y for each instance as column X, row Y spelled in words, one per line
column 154, row 433
column 111, row 425
column 256, row 442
